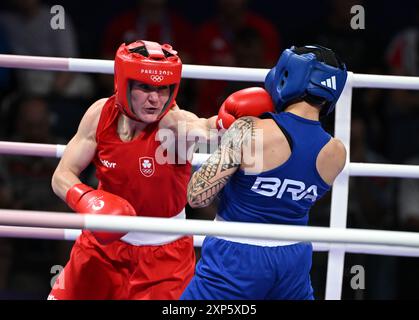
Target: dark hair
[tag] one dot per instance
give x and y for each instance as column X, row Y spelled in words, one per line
column 325, row 55
column 322, row 54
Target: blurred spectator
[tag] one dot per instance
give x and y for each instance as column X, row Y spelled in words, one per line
column 5, row 265
column 29, row 189
column 247, row 51
column 235, row 37
column 30, row 176
column 408, row 204
column 402, row 109
column 356, row 47
column 371, row 206
column 352, row 45
column 371, row 199
column 5, row 189
column 5, row 244
column 5, row 74
column 28, row 29
column 150, row 20
column 408, row 201
column 403, row 52
column 216, row 36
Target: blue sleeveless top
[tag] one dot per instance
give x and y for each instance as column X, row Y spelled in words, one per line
column 285, row 194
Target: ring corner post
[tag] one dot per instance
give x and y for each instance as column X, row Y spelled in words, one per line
column 339, row 205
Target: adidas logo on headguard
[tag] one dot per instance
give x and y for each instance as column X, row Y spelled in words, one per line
column 330, row 82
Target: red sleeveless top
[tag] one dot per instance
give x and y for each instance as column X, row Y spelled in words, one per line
column 129, row 169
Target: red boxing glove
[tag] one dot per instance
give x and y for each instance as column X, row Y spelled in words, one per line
column 84, row 199
column 247, row 102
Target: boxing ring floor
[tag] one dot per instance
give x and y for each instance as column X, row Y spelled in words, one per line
column 337, row 239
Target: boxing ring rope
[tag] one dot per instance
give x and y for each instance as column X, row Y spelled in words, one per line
column 338, row 214
column 106, row 66
column 357, row 169
column 264, row 231
column 193, row 71
column 72, row 234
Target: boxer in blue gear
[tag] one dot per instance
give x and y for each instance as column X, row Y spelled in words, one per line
column 297, row 164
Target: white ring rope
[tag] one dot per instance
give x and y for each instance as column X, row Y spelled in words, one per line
column 338, row 213
column 355, row 169
column 193, row 71
column 201, row 227
column 72, row 234
column 106, row 66
column 383, row 170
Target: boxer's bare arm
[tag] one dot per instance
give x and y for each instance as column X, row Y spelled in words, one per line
column 331, row 160
column 187, row 130
column 178, row 119
column 79, row 152
column 213, row 175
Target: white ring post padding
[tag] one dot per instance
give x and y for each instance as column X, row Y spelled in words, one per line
column 60, row 150
column 340, row 191
column 199, row 158
column 71, row 234
column 205, row 227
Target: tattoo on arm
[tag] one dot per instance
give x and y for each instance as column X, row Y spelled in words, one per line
column 216, row 171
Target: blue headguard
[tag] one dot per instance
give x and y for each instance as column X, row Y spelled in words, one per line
column 310, row 73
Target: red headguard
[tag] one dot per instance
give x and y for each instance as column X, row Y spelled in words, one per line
column 150, row 63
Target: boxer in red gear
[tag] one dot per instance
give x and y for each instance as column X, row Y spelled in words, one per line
column 84, row 199
column 120, row 136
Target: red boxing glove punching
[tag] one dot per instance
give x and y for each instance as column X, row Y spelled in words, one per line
column 247, row 102
column 84, row 199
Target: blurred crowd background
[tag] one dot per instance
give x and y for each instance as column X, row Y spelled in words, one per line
column 46, row 107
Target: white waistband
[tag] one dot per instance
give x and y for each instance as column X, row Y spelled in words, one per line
column 255, row 242
column 147, row 239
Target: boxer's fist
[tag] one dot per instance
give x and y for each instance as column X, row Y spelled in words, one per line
column 84, row 199
column 246, row 102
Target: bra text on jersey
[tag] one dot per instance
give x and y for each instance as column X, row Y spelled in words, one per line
column 270, row 187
